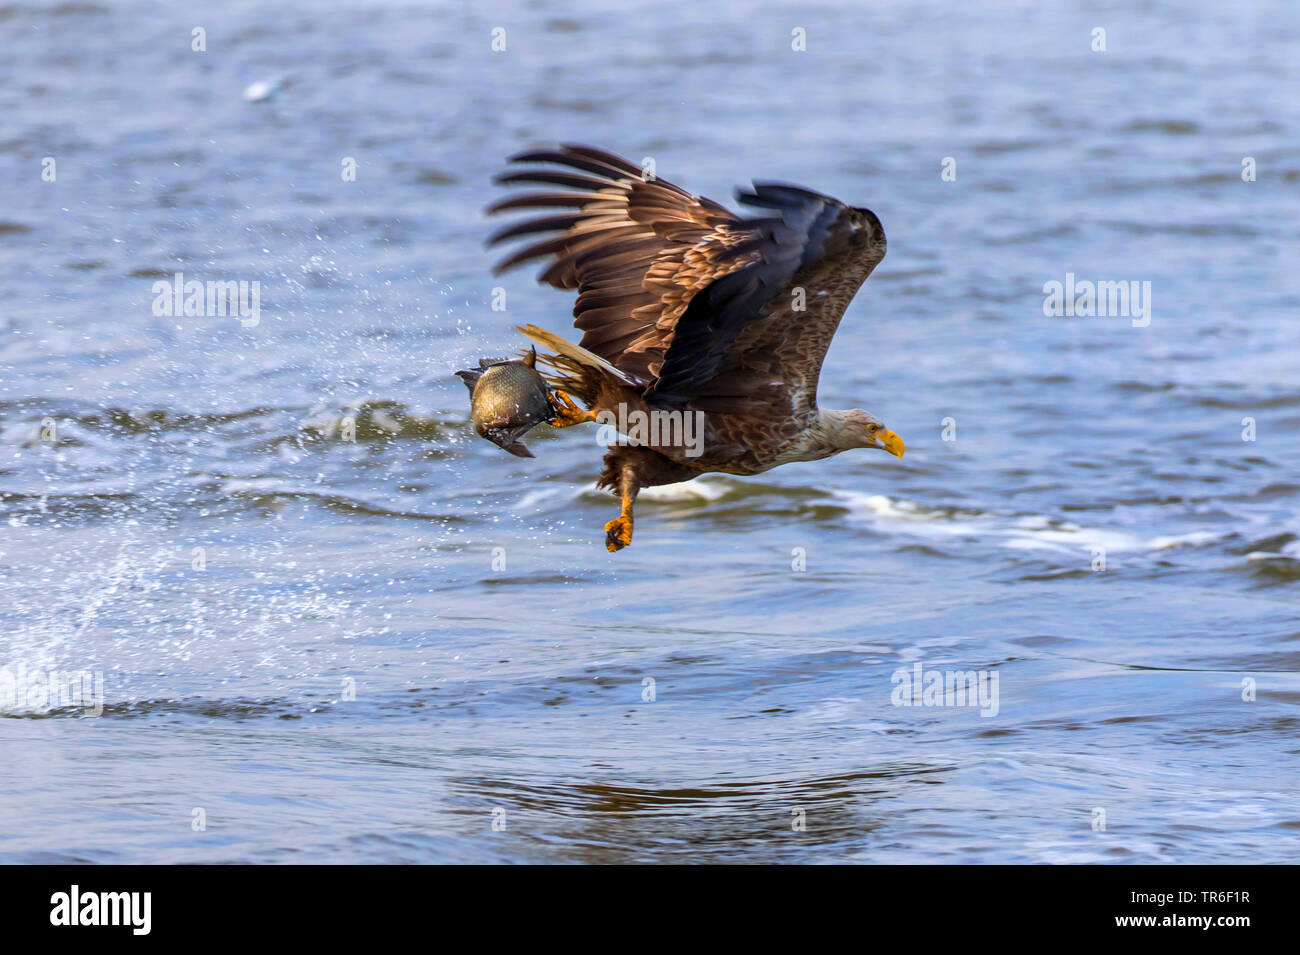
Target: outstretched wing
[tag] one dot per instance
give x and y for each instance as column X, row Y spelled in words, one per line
column 703, row 307
column 636, row 249
column 758, row 336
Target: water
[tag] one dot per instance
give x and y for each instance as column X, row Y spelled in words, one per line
column 517, row 695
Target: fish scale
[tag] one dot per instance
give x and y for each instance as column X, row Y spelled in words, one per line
column 507, row 400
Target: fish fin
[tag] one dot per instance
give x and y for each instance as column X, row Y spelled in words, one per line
column 470, row 378
column 518, row 449
column 531, row 358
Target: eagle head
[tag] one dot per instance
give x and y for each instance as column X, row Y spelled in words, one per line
column 856, row 428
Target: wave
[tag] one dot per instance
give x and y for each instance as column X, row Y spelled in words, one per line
column 1015, row 532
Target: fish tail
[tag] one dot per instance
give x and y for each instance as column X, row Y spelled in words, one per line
column 470, row 378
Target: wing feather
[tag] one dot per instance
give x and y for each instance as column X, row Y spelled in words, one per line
column 679, row 293
column 750, row 329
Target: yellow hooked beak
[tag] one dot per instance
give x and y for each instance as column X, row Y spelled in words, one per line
column 891, row 443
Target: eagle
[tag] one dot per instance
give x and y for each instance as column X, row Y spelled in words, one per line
column 699, row 321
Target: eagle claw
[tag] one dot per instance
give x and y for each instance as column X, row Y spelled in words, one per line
column 567, row 414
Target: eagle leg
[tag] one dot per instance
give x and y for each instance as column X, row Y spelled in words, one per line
column 567, row 414
column 618, row 532
column 627, row 470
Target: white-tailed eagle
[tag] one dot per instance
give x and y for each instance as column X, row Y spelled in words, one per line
column 685, row 309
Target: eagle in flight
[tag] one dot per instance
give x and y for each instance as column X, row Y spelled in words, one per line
column 686, row 308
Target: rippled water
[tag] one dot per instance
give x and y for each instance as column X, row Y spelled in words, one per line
column 518, row 694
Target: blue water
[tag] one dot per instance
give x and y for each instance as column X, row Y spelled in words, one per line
column 502, row 713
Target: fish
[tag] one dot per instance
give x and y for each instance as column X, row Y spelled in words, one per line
column 507, row 400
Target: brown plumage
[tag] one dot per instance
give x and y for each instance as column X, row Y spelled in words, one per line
column 687, row 309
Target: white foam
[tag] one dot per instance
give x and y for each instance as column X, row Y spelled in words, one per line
column 694, row 490
column 267, row 485
column 1193, row 539
column 1289, row 551
column 536, row 497
column 1017, row 532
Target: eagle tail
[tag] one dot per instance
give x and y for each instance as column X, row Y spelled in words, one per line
column 575, row 370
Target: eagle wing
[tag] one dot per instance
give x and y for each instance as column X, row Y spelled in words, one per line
column 704, row 308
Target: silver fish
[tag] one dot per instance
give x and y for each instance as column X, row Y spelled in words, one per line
column 507, row 399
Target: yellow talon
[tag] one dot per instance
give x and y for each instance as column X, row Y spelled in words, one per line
column 567, row 414
column 618, row 532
